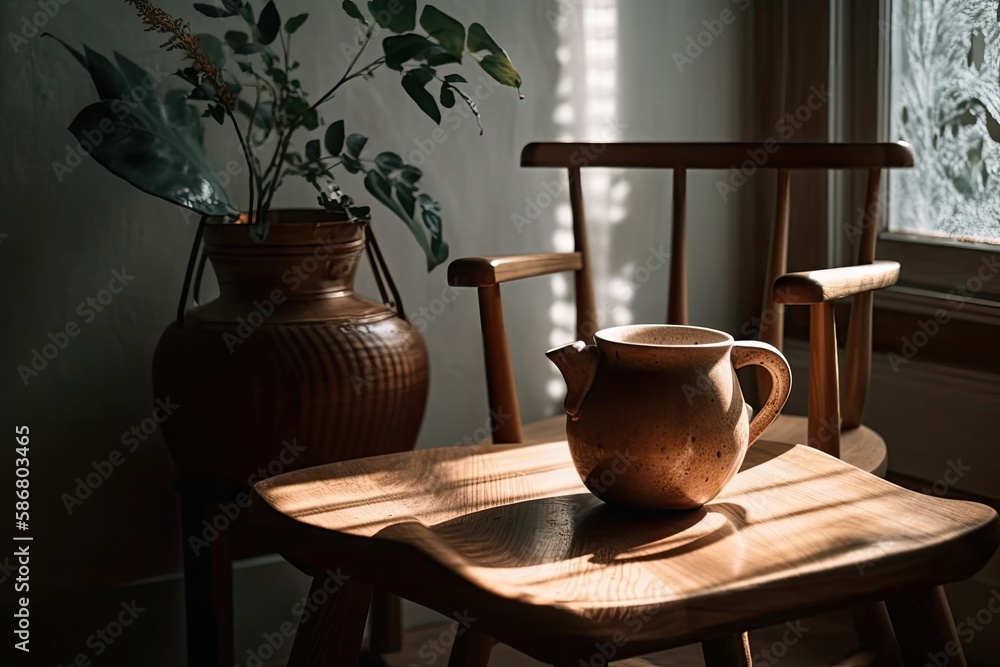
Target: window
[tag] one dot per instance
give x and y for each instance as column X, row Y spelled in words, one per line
column 942, row 95
column 945, row 101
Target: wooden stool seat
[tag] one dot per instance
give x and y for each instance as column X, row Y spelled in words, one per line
column 508, row 538
column 862, row 447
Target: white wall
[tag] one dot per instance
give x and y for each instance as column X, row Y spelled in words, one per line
column 64, row 239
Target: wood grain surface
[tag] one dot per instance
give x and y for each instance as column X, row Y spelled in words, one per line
column 838, row 283
column 485, row 271
column 510, row 534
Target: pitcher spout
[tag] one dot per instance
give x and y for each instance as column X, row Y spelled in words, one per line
column 578, row 364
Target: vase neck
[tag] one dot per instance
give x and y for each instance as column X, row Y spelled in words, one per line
column 297, row 261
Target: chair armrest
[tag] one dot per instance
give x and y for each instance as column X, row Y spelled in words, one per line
column 484, row 271
column 831, row 284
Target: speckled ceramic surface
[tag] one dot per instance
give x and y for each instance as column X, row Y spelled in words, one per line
column 656, row 418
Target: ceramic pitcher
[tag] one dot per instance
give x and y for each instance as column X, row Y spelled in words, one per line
column 656, row 418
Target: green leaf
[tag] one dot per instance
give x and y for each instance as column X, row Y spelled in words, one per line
column 480, row 40
column 183, row 117
column 236, row 39
column 447, row 96
column 334, row 138
column 269, row 23
column 313, row 150
column 214, row 11
column 379, row 187
column 135, row 78
column 431, row 214
column 410, row 175
column 213, row 48
column 351, row 164
column 110, row 83
column 246, row 12
column 447, row 31
column 356, row 144
column 396, row 15
column 455, row 78
column 294, row 23
column 310, row 120
column 352, row 10
column 218, row 112
column 400, row 49
column 406, row 199
column 388, row 162
column 497, row 64
column 151, row 154
column 413, row 84
column 501, row 69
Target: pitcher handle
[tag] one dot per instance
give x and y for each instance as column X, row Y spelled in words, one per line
column 752, row 352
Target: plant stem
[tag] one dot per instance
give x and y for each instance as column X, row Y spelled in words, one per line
column 250, row 165
column 343, row 79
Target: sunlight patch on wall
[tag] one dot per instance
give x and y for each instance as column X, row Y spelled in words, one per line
column 587, row 110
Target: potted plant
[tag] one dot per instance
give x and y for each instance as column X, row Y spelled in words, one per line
column 288, row 353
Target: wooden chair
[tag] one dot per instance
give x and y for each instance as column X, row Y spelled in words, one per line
column 824, row 428
column 506, row 538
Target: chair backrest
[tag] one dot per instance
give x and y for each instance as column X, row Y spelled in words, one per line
column 680, row 158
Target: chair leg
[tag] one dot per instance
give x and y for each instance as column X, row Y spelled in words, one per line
column 332, row 635
column 874, row 630
column 387, row 625
column 925, row 628
column 471, row 649
column 208, row 585
column 731, row 651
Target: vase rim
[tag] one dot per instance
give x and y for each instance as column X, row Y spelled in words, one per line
column 290, row 216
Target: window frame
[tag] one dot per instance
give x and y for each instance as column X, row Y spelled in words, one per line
column 936, row 267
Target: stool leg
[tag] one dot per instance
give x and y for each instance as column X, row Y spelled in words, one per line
column 332, row 635
column 387, row 625
column 875, row 633
column 925, row 628
column 208, row 585
column 471, row 649
column 731, row 651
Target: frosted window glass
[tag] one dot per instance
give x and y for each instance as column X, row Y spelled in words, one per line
column 945, row 101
